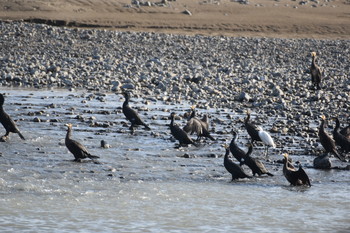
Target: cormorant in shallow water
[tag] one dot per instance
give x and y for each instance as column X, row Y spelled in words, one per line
column 254, row 164
column 339, row 138
column 198, row 126
column 233, row 168
column 326, row 141
column 9, row 125
column 315, row 71
column 237, row 152
column 251, row 129
column 295, row 177
column 131, row 114
column 178, row 133
column 76, row 148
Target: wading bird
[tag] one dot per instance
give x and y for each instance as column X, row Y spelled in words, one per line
column 178, row 133
column 9, row 125
column 76, row 148
column 339, row 138
column 131, row 114
column 236, row 171
column 326, row 141
column 254, row 164
column 198, row 126
column 251, row 128
column 266, row 139
column 315, row 71
column 237, row 152
column 295, row 177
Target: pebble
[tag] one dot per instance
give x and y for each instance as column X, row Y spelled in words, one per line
column 265, row 74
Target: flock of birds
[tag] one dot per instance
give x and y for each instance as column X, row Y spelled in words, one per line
column 200, row 127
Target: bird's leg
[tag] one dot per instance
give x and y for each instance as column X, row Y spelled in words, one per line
column 132, row 129
column 266, row 152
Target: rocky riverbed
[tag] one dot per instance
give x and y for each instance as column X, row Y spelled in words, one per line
column 268, row 76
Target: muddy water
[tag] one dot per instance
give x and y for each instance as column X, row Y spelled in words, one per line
column 144, row 183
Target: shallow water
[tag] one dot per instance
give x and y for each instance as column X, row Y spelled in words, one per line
column 144, row 184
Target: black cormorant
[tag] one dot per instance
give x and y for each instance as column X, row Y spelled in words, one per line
column 9, row 125
column 179, row 133
column 76, row 148
column 237, row 152
column 295, row 177
column 326, row 141
column 131, row 114
column 315, row 71
column 251, row 129
column 233, row 168
column 339, row 138
column 254, row 164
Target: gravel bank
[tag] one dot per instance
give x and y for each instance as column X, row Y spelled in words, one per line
column 269, row 76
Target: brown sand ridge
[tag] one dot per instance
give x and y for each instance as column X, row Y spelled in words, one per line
column 322, row 19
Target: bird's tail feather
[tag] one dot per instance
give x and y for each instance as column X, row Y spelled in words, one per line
column 93, row 156
column 21, row 136
column 339, row 156
column 270, row 174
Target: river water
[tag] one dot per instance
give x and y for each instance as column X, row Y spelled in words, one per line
column 143, row 182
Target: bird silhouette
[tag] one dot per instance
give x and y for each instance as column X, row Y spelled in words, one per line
column 76, row 148
column 295, row 177
column 132, row 115
column 9, row 125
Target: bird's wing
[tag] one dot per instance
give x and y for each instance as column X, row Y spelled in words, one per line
column 193, row 125
column 75, row 145
column 266, row 138
column 303, row 176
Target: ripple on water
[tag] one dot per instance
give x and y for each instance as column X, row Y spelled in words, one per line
column 143, row 183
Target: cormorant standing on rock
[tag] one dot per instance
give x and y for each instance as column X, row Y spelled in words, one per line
column 326, row 141
column 9, row 125
column 76, row 148
column 339, row 138
column 251, row 129
column 198, row 126
column 131, row 114
column 254, row 164
column 315, row 71
column 178, row 133
column 233, row 168
column 295, row 177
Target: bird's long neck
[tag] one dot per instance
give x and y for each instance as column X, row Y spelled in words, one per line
column 323, row 122
column 313, row 63
column 193, row 114
column 337, row 124
column 172, row 121
column 69, row 133
column 227, row 153
column 250, row 150
column 205, row 119
column 247, row 118
column 233, row 141
column 126, row 102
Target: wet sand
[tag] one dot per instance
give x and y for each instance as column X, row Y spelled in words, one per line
column 266, row 18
